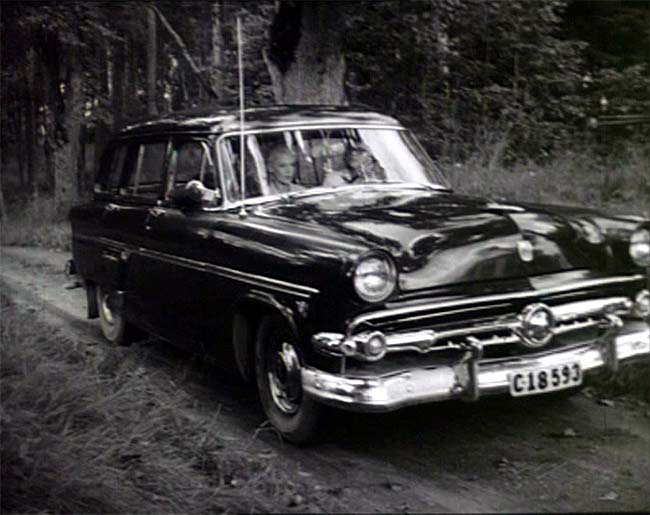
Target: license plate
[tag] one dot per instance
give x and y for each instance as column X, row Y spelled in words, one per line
column 543, row 380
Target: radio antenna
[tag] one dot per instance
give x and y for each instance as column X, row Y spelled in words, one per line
column 242, row 147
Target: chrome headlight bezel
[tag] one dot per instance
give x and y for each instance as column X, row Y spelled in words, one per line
column 640, row 247
column 374, row 277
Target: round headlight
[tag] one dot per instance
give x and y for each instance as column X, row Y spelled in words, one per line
column 374, row 278
column 640, row 247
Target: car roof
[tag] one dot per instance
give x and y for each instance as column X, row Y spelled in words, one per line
column 218, row 120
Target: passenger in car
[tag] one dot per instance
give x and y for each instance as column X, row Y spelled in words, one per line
column 282, row 171
column 360, row 166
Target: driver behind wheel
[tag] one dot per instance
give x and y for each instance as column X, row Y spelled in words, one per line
column 282, row 165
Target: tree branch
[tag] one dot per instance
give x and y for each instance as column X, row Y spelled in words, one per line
column 186, row 54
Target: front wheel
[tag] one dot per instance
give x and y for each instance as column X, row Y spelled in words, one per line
column 114, row 326
column 278, row 375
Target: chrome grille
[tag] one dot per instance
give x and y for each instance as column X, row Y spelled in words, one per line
column 503, row 331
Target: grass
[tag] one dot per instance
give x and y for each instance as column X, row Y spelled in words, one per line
column 36, row 223
column 618, row 184
column 82, row 438
column 630, row 380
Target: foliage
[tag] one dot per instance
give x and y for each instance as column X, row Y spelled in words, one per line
column 455, row 71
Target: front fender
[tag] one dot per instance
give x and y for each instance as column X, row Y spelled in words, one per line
column 246, row 315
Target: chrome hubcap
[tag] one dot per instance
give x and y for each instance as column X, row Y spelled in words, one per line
column 107, row 311
column 284, row 379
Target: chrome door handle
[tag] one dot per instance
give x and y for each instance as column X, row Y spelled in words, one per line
column 155, row 212
column 152, row 213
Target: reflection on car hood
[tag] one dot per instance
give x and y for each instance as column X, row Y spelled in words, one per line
column 440, row 238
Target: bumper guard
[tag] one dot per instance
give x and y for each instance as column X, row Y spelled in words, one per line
column 470, row 378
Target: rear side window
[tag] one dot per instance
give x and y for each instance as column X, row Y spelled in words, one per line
column 147, row 178
column 112, row 168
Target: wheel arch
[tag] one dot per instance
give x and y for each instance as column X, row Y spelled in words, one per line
column 247, row 316
column 91, row 300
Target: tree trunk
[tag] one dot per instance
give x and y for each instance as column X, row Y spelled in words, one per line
column 51, row 111
column 216, row 75
column 117, row 98
column 151, row 61
column 34, row 150
column 132, row 104
column 305, row 58
column 186, row 54
column 23, row 148
column 3, row 209
column 66, row 151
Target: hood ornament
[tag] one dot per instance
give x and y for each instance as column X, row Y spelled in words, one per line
column 535, row 326
column 525, row 251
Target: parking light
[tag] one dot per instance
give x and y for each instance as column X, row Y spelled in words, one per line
column 640, row 247
column 642, row 304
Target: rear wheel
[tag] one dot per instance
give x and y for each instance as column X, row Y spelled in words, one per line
column 114, row 326
column 278, row 374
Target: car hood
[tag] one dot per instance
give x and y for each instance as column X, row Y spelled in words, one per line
column 439, row 238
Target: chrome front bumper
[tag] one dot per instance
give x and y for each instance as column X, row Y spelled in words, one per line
column 468, row 378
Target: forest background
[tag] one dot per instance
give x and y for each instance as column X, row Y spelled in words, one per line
column 536, row 100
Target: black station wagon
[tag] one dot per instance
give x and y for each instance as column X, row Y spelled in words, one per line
column 320, row 253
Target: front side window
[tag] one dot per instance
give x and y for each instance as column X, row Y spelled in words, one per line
column 277, row 162
column 147, row 177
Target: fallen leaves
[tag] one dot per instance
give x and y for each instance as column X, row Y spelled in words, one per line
column 569, row 432
column 610, row 496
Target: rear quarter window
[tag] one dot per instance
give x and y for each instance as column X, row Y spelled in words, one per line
column 111, row 170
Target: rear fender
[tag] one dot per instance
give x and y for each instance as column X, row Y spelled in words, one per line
column 91, row 300
column 100, row 264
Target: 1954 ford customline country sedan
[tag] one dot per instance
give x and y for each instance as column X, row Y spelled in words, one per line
column 345, row 272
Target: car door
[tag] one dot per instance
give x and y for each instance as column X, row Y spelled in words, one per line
column 97, row 245
column 177, row 282
column 139, row 201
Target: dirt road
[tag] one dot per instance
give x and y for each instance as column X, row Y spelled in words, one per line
column 493, row 456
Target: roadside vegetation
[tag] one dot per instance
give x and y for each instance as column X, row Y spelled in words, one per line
column 34, row 222
column 617, row 182
column 82, row 437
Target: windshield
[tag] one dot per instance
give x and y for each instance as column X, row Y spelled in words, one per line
column 287, row 161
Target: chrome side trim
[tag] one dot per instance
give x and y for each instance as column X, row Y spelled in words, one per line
column 396, row 312
column 257, row 280
column 453, row 381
